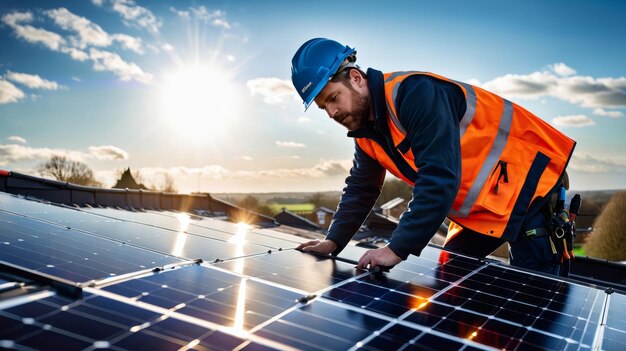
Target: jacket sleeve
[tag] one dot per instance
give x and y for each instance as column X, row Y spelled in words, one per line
column 429, row 110
column 357, row 200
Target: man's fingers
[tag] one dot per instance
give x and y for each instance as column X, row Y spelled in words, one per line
column 304, row 246
column 364, row 261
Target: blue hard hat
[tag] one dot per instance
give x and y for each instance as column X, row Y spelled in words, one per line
column 314, row 64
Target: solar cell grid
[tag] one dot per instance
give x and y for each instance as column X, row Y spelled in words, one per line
column 191, row 224
column 294, row 269
column 536, row 316
column 67, row 253
column 321, row 326
column 615, row 326
column 210, row 294
column 436, row 301
column 175, row 241
column 102, row 322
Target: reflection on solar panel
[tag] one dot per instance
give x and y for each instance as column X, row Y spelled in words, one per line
column 104, row 278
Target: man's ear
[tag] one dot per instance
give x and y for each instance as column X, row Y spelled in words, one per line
column 356, row 78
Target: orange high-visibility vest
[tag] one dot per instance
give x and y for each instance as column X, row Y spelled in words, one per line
column 509, row 158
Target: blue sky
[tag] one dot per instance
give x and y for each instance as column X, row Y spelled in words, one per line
column 200, row 90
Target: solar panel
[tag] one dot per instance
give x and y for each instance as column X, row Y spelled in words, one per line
column 254, row 292
column 210, row 294
column 95, row 322
column 305, row 272
column 177, row 242
column 67, row 253
column 200, row 226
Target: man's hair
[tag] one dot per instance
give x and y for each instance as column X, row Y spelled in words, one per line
column 344, row 75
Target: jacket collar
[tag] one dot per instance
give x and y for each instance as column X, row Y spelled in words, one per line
column 376, row 85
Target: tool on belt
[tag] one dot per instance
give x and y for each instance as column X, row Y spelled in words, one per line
column 561, row 227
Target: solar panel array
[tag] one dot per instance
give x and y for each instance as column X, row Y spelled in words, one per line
column 95, row 278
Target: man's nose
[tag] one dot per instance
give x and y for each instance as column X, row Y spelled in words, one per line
column 332, row 111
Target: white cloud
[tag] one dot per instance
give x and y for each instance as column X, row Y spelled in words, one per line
column 581, row 90
column 247, row 158
column 32, row 81
column 75, row 54
column 215, row 17
column 12, row 153
column 603, row 112
column 88, row 32
column 17, row 139
column 235, row 180
column 108, row 61
column 290, row 144
column 231, row 58
column 273, row 90
column 130, row 43
column 167, row 47
column 220, row 22
column 17, row 20
column 562, row 69
column 304, row 119
column 9, row 93
column 474, row 81
column 135, row 15
column 108, row 152
column 587, row 163
column 573, row 121
column 530, row 86
column 180, row 13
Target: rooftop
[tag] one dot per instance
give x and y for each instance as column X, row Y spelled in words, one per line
column 88, row 277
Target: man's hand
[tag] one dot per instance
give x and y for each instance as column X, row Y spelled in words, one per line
column 378, row 257
column 324, row 247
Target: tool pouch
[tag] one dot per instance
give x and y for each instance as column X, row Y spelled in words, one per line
column 562, row 234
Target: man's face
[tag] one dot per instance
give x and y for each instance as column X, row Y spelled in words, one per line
column 345, row 104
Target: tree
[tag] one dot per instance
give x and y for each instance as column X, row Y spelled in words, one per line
column 168, row 184
column 253, row 204
column 608, row 239
column 128, row 180
column 394, row 188
column 321, row 200
column 65, row 170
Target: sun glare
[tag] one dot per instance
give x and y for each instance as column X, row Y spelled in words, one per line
column 198, row 101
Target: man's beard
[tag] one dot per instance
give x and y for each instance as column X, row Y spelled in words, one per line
column 360, row 113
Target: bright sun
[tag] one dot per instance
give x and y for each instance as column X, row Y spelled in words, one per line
column 198, row 101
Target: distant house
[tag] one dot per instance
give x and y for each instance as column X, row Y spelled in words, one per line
column 289, row 218
column 127, row 181
column 323, row 216
column 393, row 207
column 377, row 225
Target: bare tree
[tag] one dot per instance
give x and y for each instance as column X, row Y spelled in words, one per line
column 168, row 184
column 65, row 170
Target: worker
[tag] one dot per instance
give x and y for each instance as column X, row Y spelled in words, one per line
column 484, row 162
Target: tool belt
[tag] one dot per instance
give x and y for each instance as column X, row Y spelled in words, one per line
column 560, row 231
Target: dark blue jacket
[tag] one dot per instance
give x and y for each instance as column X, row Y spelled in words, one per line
column 429, row 110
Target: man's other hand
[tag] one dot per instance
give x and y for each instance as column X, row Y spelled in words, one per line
column 323, row 247
column 378, row 257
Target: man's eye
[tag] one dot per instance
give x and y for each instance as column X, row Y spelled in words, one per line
column 334, row 97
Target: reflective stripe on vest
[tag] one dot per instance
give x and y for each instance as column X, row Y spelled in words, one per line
column 494, row 133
